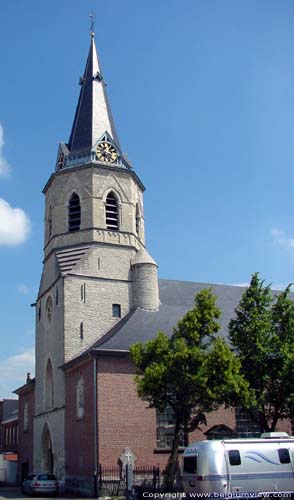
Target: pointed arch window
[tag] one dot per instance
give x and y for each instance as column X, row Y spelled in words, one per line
column 111, row 212
column 80, row 398
column 74, row 213
column 49, row 392
column 50, row 222
column 137, row 219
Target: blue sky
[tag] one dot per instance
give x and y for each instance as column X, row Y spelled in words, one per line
column 202, row 93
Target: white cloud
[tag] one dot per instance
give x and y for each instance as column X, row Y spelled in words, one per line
column 13, row 371
column 4, row 165
column 280, row 238
column 14, row 224
column 281, row 286
column 23, row 289
column 274, row 286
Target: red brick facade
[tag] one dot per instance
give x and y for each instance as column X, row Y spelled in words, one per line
column 79, row 437
column 9, row 431
column 26, row 436
column 123, row 420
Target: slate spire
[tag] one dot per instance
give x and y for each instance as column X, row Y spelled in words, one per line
column 93, row 115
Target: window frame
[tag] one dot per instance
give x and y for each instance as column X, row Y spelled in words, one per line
column 116, row 310
column 112, row 223
column 74, row 214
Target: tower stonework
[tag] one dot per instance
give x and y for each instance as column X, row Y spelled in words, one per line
column 94, row 230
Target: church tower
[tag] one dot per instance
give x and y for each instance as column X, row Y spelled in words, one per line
column 96, row 267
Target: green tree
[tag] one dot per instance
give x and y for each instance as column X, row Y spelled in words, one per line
column 262, row 334
column 193, row 371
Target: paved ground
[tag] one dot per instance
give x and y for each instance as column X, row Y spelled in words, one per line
column 15, row 494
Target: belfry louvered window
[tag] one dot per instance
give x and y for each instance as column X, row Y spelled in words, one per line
column 74, row 213
column 111, row 212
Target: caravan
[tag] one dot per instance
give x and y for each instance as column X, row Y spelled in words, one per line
column 232, row 468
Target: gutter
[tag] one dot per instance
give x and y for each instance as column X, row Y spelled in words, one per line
column 96, row 447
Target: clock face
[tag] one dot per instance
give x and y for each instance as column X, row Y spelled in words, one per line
column 106, row 152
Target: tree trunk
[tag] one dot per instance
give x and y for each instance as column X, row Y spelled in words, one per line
column 172, row 466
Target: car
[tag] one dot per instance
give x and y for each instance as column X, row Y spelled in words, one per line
column 40, row 484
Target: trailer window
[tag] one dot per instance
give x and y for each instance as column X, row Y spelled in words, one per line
column 190, row 465
column 234, row 457
column 284, row 455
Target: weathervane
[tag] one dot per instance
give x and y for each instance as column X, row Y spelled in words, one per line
column 92, row 22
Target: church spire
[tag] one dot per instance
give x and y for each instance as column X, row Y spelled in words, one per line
column 93, row 115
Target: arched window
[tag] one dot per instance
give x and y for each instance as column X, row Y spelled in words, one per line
column 111, row 212
column 137, row 219
column 50, row 222
column 80, row 398
column 49, row 386
column 74, row 213
column 81, row 330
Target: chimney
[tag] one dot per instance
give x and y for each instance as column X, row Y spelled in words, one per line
column 28, row 377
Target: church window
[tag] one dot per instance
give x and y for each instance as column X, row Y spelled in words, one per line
column 137, row 219
column 39, row 312
column 49, row 386
column 83, row 292
column 116, row 310
column 80, row 398
column 56, row 297
column 50, row 222
column 49, row 309
column 112, row 219
column 81, row 330
column 74, row 213
column 245, row 426
column 26, row 417
column 165, row 427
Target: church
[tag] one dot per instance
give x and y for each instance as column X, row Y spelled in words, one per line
column 99, row 294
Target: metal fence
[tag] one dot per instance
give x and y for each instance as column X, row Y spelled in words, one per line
column 116, row 481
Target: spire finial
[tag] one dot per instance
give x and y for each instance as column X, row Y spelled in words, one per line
column 92, row 22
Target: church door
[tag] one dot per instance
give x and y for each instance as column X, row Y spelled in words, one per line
column 47, row 454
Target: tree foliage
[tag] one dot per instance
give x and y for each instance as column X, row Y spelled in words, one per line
column 193, row 371
column 262, row 334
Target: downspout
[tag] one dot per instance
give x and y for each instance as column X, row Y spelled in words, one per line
column 95, row 427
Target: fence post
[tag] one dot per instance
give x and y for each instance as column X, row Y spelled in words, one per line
column 154, row 477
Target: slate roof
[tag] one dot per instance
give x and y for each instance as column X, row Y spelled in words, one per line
column 176, row 297
column 93, row 115
column 10, row 407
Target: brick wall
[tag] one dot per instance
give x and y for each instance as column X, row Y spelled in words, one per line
column 10, row 436
column 124, row 420
column 26, row 436
column 79, row 442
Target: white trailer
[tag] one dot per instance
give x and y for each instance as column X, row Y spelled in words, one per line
column 240, row 466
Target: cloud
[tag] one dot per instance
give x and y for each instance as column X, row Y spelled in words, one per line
column 13, row 371
column 14, row 224
column 23, row 289
column 4, row 165
column 280, row 239
column 274, row 286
